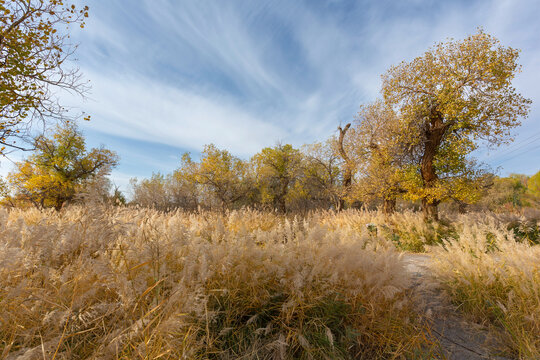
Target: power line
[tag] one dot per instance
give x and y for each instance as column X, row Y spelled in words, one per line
column 533, row 135
column 519, row 154
column 520, row 147
column 516, row 146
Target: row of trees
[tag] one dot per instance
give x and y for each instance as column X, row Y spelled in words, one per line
column 61, row 170
column 279, row 177
column 512, row 192
column 313, row 177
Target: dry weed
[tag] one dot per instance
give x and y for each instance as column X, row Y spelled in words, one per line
column 136, row 283
column 496, row 279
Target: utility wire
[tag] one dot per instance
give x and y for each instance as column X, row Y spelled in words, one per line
column 520, row 147
column 533, row 135
column 519, row 154
column 516, row 146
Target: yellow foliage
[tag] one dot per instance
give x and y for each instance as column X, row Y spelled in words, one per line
column 456, row 94
column 59, row 168
column 33, row 54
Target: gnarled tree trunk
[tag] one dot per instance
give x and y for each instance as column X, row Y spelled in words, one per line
column 389, row 206
column 347, row 173
column 434, row 131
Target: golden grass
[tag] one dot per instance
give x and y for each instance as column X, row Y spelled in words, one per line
column 127, row 283
column 496, row 280
column 135, row 283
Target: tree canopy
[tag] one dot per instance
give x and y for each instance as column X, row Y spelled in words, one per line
column 381, row 157
column 59, row 168
column 450, row 100
column 223, row 173
column 277, row 170
column 34, row 50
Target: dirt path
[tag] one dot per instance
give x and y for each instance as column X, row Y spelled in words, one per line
column 460, row 339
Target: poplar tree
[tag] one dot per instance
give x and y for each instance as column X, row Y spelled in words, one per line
column 59, row 169
column 449, row 101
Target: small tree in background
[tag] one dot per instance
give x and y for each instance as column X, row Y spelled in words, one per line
column 277, row 170
column 505, row 193
column 381, row 158
column 322, row 174
column 151, row 192
column 223, row 174
column 182, row 187
column 448, row 100
column 59, row 169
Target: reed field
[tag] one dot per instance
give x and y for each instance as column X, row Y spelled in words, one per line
column 494, row 276
column 135, row 283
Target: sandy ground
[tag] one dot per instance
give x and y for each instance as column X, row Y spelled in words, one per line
column 459, row 338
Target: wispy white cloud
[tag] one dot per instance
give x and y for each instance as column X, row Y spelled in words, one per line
column 221, row 37
column 147, row 110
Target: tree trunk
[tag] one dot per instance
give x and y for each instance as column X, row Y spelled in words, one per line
column 430, row 210
column 282, row 194
column 462, row 207
column 281, row 204
column 389, row 206
column 434, row 132
column 347, row 173
column 58, row 204
column 340, row 205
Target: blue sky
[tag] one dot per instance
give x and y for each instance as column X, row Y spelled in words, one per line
column 170, row 76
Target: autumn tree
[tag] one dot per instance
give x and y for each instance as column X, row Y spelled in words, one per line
column 277, row 168
column 223, row 174
column 59, row 168
column 100, row 190
column 321, row 174
column 182, row 186
column 151, row 192
column 505, row 193
column 533, row 185
column 380, row 155
column 34, row 49
column 452, row 99
column 168, row 192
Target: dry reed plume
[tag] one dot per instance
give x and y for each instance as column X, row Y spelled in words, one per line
column 495, row 279
column 136, row 283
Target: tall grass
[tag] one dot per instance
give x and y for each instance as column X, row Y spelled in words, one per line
column 136, row 283
column 125, row 283
column 495, row 279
